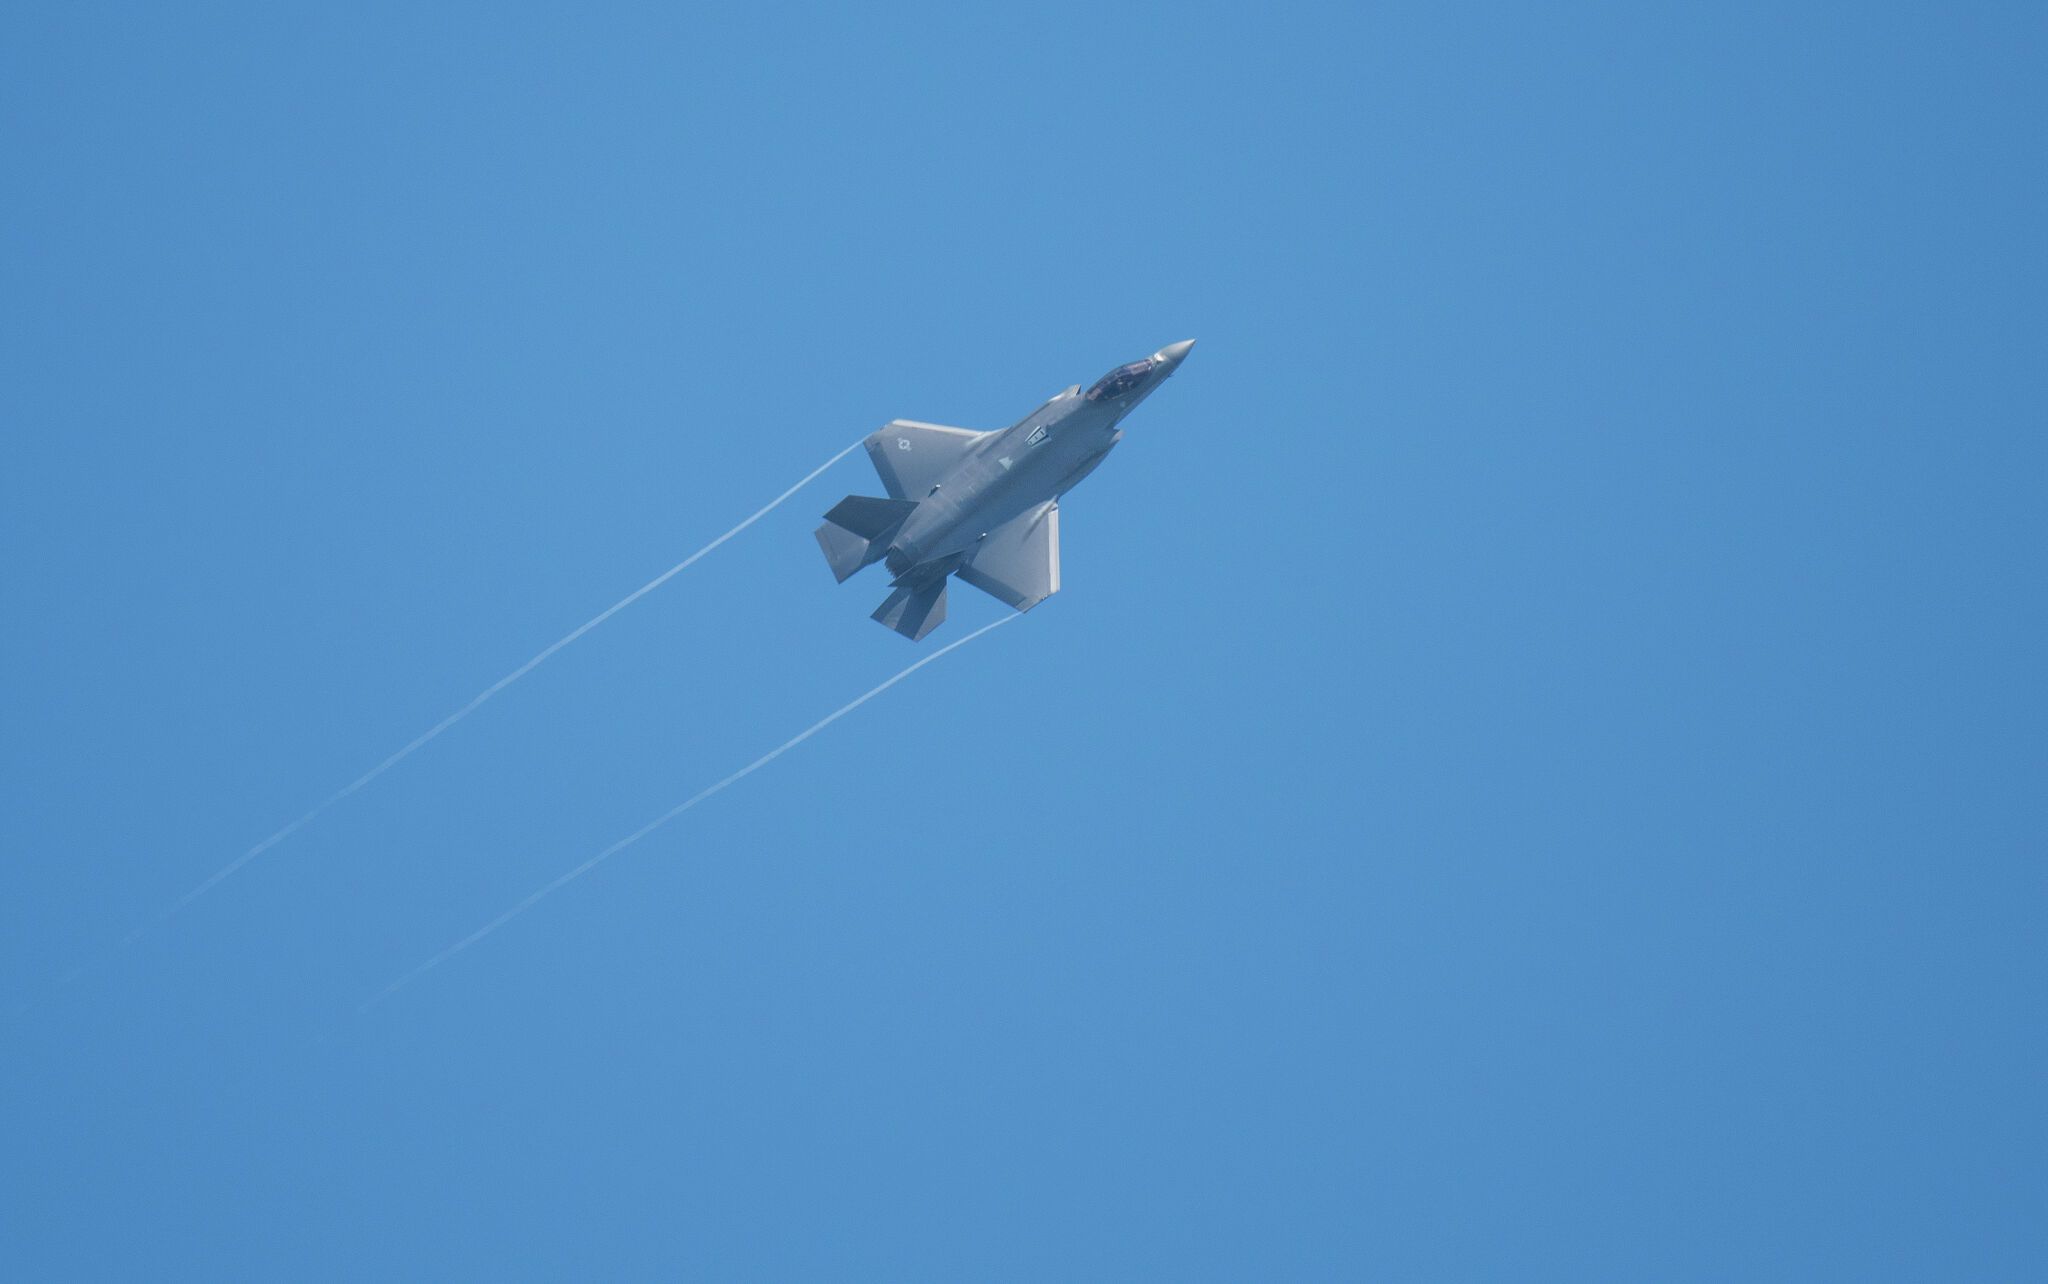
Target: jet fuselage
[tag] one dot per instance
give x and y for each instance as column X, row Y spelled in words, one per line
column 981, row 505
column 1039, row 458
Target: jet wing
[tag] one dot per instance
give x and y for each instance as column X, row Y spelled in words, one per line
column 913, row 457
column 1019, row 562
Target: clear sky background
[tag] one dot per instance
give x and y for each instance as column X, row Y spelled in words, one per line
column 1536, row 771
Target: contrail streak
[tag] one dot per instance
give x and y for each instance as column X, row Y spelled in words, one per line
column 477, row 702
column 663, row 819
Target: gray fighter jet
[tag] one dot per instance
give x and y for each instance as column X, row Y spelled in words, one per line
column 982, row 505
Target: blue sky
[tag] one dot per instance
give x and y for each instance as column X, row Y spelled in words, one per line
column 1536, row 771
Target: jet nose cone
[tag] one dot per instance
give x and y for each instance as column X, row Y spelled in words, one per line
column 1173, row 353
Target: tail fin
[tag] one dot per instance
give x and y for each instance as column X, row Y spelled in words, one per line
column 858, row 529
column 914, row 612
column 846, row 551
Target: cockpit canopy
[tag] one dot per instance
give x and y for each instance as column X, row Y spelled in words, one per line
column 1120, row 381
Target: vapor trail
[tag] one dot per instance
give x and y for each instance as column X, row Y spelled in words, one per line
column 667, row 816
column 477, row 702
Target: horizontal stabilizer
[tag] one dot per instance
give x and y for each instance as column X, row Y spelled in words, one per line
column 914, row 612
column 857, row 531
column 846, row 551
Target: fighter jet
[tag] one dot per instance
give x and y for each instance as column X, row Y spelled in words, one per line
column 982, row 505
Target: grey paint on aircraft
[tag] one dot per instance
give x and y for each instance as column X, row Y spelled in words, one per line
column 982, row 505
